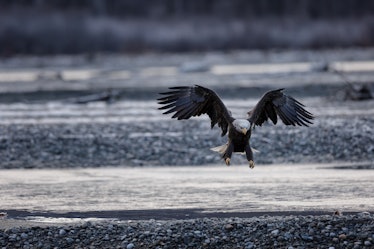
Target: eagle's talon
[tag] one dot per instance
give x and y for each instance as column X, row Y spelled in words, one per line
column 227, row 161
column 251, row 164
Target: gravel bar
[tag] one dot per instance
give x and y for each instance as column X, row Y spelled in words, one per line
column 321, row 231
column 180, row 143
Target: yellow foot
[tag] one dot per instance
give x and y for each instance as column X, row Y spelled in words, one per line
column 227, row 161
column 251, row 164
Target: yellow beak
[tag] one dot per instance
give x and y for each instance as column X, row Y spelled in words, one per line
column 244, row 130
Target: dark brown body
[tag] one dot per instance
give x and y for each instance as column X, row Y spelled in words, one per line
column 238, row 142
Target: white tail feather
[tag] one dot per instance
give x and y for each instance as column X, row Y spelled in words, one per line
column 220, row 149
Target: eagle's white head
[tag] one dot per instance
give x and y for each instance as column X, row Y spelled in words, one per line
column 242, row 125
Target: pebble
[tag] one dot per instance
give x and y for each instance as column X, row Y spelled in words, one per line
column 130, row 246
column 24, row 236
column 342, row 236
column 249, row 245
column 229, row 227
column 306, row 237
column 69, row 240
column 367, row 243
column 275, row 232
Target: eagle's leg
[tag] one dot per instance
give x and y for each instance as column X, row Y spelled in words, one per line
column 228, row 153
column 249, row 154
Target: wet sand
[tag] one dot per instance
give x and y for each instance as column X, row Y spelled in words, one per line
column 185, row 192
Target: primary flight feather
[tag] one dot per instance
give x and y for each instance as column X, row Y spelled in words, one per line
column 186, row 102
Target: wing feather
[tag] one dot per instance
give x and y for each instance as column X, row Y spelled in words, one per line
column 276, row 103
column 271, row 113
column 185, row 113
column 188, row 102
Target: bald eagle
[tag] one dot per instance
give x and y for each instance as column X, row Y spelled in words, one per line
column 187, row 102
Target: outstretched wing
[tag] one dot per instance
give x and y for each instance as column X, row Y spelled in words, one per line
column 276, row 103
column 187, row 102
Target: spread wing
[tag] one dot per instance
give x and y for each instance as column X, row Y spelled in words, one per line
column 276, row 103
column 187, row 102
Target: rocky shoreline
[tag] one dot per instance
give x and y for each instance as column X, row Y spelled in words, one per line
column 320, row 231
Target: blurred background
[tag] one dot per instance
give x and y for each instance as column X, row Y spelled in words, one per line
column 91, row 26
